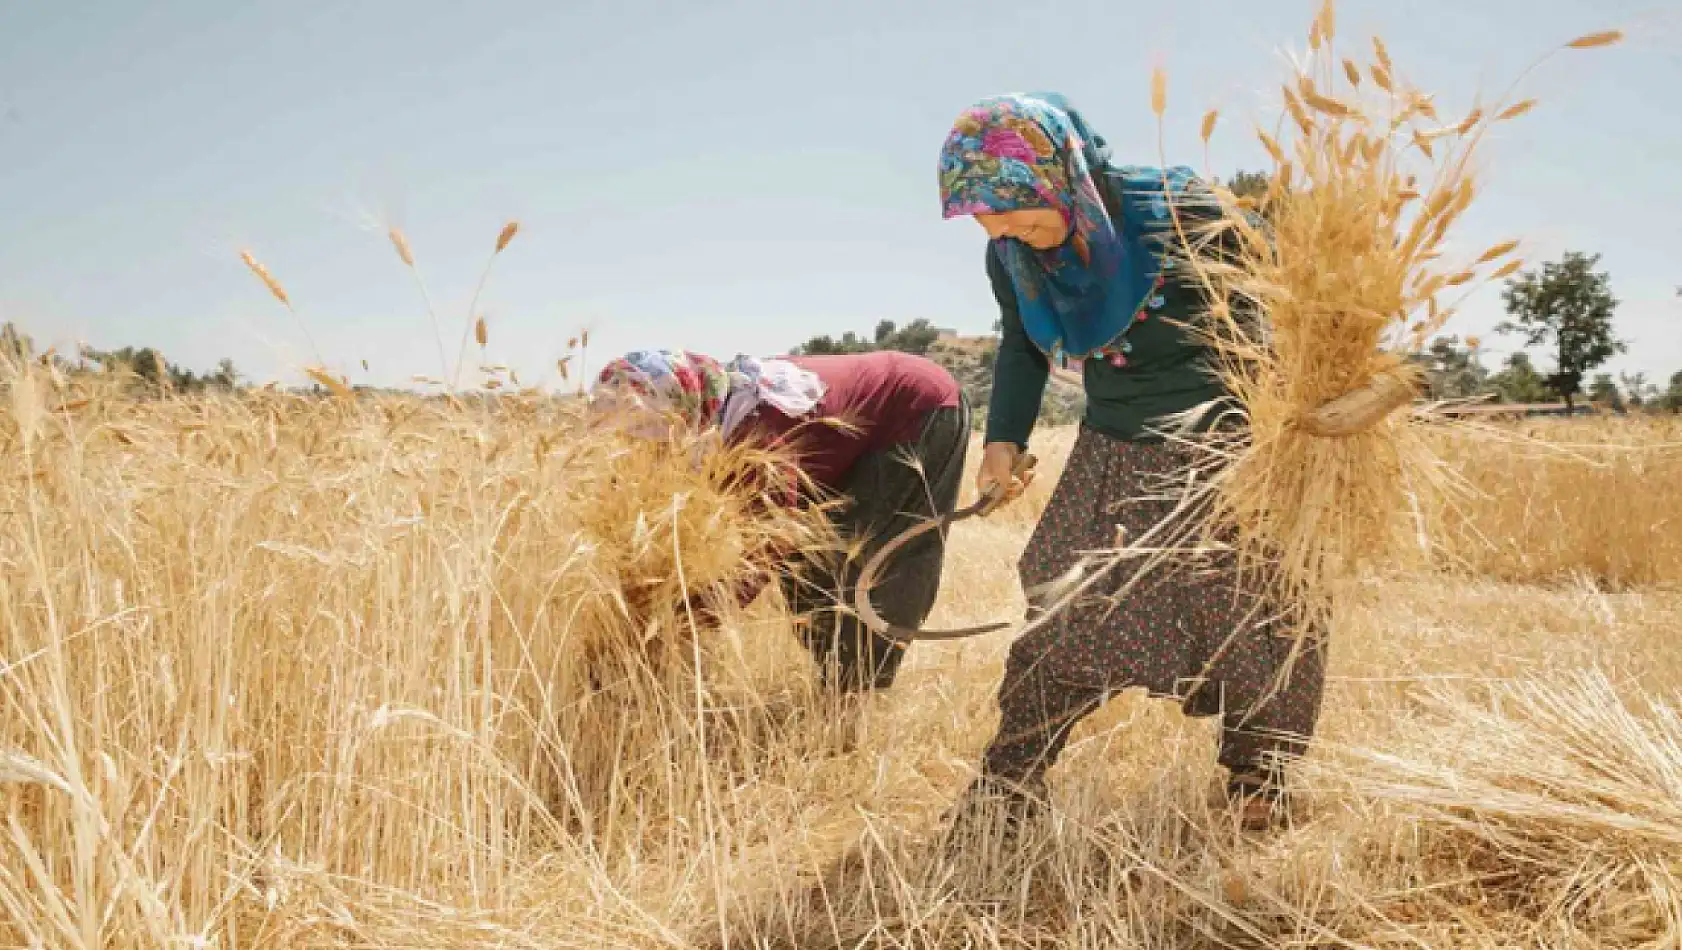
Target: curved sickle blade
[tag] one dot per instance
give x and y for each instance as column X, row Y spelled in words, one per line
column 867, row 575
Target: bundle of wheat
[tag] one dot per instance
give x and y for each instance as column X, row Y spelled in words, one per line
column 675, row 529
column 1345, row 255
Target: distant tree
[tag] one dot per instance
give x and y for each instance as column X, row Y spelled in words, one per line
column 1568, row 306
column 153, row 371
column 1518, row 381
column 226, row 376
column 1671, row 400
column 915, row 337
column 1254, row 186
column 1637, row 391
column 817, row 346
column 829, row 346
column 1249, row 184
column 1604, row 392
column 1453, row 370
column 143, row 363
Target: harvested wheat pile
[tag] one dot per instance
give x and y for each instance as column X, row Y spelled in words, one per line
column 1552, row 806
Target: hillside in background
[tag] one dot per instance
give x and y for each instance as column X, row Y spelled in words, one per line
column 970, row 361
column 968, row 358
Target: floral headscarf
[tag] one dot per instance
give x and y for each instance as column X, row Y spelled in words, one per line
column 1020, row 151
column 706, row 393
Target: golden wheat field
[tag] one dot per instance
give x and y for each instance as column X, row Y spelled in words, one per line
column 285, row 672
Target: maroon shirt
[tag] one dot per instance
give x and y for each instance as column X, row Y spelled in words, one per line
column 883, row 396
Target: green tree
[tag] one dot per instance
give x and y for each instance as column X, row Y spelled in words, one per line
column 1249, row 184
column 1518, row 381
column 915, row 337
column 144, row 363
column 1603, row 391
column 150, row 368
column 1254, row 186
column 827, row 345
column 1671, row 400
column 1637, row 391
column 1453, row 370
column 1568, row 306
column 226, row 376
column 816, row 346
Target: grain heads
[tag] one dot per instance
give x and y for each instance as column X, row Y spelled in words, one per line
column 507, row 236
column 1596, row 40
column 268, row 279
column 1514, row 111
column 401, row 243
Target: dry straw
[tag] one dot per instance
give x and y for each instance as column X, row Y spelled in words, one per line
column 322, row 668
column 1348, row 260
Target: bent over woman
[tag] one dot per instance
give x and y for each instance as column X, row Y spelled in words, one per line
column 884, row 432
column 1078, row 264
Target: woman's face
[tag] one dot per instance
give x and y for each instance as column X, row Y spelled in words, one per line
column 1040, row 228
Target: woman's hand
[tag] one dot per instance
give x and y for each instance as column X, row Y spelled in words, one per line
column 998, row 465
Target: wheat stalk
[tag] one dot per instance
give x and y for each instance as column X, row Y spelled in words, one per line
column 503, row 239
column 400, row 242
column 279, row 293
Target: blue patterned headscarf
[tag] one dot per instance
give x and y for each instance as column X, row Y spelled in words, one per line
column 1034, row 150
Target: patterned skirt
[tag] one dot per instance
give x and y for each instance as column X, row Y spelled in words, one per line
column 1188, row 628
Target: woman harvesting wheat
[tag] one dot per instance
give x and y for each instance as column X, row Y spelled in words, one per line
column 1078, row 260
column 849, row 423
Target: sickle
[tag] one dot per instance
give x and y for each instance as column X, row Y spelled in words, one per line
column 983, row 506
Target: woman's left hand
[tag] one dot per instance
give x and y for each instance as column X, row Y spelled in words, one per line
column 998, row 467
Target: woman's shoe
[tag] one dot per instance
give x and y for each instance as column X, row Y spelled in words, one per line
column 1260, row 802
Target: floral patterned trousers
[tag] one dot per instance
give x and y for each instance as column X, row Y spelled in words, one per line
column 1190, row 629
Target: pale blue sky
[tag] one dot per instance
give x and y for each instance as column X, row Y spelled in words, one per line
column 726, row 176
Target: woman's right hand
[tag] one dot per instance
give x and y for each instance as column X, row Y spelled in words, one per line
column 998, row 465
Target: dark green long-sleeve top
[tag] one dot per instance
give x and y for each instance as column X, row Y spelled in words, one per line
column 1167, row 371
